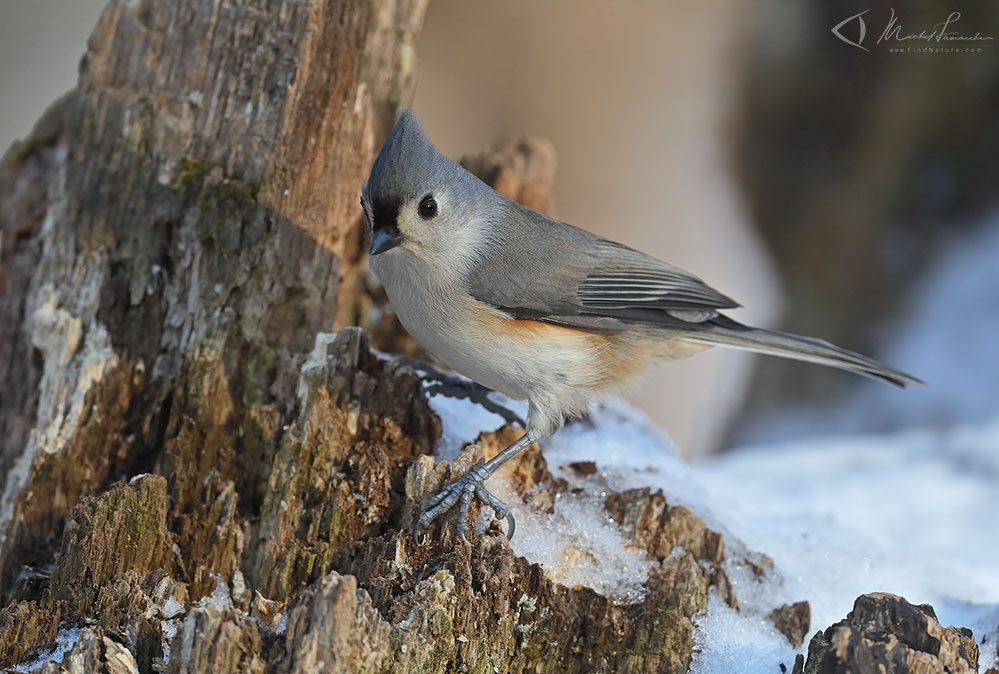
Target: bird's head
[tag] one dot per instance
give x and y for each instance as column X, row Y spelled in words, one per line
column 418, row 202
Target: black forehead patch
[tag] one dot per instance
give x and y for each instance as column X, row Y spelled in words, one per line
column 385, row 213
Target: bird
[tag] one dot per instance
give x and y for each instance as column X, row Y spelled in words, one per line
column 535, row 308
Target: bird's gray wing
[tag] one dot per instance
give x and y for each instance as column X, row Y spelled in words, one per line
column 551, row 271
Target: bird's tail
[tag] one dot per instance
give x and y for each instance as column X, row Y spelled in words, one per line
column 724, row 331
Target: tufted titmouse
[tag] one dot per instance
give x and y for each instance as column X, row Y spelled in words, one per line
column 536, row 308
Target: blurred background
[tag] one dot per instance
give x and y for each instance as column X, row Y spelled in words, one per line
column 842, row 191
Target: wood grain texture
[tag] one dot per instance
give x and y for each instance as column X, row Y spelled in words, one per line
column 176, row 221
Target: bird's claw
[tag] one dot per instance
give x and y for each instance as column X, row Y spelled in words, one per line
column 461, row 493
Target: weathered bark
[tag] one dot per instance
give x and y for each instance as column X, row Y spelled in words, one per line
column 24, row 627
column 173, row 235
column 793, row 621
column 175, row 232
column 885, row 633
column 334, row 524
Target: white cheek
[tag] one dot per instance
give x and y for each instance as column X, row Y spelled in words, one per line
column 411, row 224
column 448, row 247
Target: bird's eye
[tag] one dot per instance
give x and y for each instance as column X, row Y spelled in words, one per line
column 428, row 208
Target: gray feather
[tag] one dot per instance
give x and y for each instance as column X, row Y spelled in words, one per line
column 408, row 164
column 534, row 267
column 590, row 323
column 724, row 331
column 543, row 268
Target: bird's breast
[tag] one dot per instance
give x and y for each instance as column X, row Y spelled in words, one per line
column 519, row 358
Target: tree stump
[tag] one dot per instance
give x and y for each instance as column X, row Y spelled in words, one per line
column 195, row 475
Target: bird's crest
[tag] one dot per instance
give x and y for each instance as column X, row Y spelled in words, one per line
column 406, row 161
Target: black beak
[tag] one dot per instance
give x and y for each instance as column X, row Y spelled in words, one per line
column 383, row 239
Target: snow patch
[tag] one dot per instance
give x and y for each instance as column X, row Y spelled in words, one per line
column 169, row 630
column 171, row 607
column 578, row 544
column 65, row 640
column 463, row 420
column 911, row 513
column 220, row 596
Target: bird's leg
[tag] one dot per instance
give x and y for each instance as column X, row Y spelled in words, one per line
column 472, row 485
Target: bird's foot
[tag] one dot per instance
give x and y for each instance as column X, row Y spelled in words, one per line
column 461, row 493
